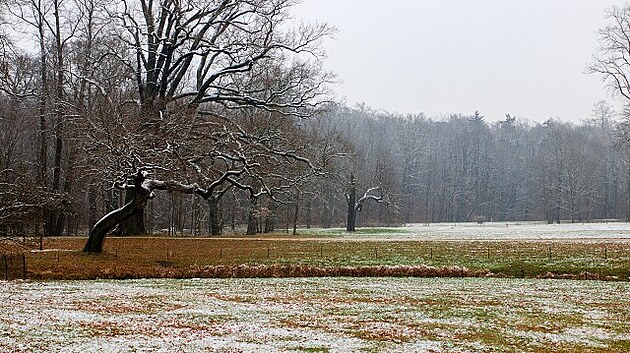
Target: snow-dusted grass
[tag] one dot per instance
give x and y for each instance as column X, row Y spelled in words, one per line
column 315, row 315
column 487, row 231
column 193, row 257
column 527, row 249
column 523, row 231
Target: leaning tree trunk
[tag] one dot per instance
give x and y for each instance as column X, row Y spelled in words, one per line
column 109, row 222
column 134, row 225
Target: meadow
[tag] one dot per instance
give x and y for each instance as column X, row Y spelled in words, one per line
column 315, row 315
column 528, row 287
column 524, row 250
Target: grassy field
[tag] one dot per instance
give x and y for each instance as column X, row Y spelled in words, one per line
column 315, row 315
column 195, row 257
column 179, row 312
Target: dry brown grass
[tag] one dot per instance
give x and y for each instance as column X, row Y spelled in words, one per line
column 161, row 257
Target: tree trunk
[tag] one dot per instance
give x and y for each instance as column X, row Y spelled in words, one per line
column 309, row 213
column 118, row 216
column 351, row 197
column 91, row 199
column 557, row 213
column 56, row 220
column 295, row 217
column 270, row 220
column 193, row 214
column 133, row 225
column 270, row 224
column 252, row 225
column 233, row 213
column 107, row 223
column 214, row 218
column 43, row 135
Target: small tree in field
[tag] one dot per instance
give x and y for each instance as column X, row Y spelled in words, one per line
column 356, row 205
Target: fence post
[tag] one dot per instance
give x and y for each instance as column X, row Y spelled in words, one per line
column 6, row 267
column 24, row 272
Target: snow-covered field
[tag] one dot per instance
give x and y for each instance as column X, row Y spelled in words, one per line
column 493, row 231
column 315, row 315
column 525, row 230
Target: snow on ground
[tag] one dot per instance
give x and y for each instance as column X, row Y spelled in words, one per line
column 313, row 315
column 492, row 231
column 525, row 230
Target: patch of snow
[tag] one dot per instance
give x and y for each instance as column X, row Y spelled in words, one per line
column 296, row 314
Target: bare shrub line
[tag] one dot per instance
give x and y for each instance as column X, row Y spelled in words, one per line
column 280, row 270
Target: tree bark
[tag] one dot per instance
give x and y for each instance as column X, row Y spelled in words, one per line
column 252, row 225
column 351, row 197
column 116, row 217
column 133, row 225
column 270, row 220
column 296, row 213
column 92, row 208
column 309, row 213
column 214, row 218
column 56, row 220
column 107, row 223
column 270, row 224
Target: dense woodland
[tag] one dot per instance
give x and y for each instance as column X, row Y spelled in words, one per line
column 199, row 117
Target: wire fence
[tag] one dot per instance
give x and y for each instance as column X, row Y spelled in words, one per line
column 13, row 266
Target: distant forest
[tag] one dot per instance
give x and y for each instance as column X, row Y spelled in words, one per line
column 461, row 168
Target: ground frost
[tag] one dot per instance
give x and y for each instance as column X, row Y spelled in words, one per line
column 315, row 315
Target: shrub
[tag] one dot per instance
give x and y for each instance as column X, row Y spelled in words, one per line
column 479, row 219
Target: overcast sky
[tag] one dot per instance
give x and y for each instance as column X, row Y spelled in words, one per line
column 523, row 57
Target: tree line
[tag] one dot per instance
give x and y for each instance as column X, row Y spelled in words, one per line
column 193, row 117
column 461, row 168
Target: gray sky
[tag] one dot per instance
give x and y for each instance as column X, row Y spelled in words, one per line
column 523, row 57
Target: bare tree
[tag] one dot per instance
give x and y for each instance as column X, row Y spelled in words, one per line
column 220, row 89
column 612, row 58
column 612, row 62
column 355, row 205
column 201, row 55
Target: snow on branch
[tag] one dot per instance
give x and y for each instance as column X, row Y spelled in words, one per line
column 369, row 196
